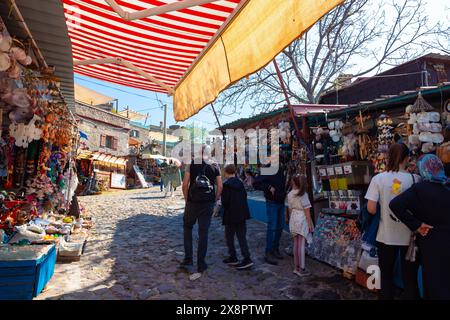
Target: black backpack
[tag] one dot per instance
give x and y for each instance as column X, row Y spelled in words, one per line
column 202, row 190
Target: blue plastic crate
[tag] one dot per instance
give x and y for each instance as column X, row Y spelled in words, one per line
column 25, row 277
column 258, row 211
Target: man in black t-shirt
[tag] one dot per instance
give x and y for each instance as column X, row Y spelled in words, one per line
column 199, row 210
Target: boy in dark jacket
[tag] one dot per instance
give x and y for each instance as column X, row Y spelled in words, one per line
column 236, row 212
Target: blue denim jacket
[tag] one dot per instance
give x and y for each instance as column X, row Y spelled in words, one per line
column 370, row 225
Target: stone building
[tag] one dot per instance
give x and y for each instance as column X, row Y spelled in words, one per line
column 106, row 132
column 151, row 138
column 139, row 135
column 104, row 140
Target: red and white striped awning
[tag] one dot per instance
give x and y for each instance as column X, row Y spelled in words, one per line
column 163, row 46
column 191, row 49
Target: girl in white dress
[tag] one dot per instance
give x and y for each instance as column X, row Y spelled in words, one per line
column 300, row 223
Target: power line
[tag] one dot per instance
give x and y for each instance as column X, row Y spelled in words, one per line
column 149, row 109
column 161, row 102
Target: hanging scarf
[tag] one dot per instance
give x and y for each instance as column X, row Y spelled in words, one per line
column 431, row 169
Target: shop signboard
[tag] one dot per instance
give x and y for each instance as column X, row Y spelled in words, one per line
column 140, row 176
column 330, row 171
column 323, row 172
column 118, row 181
column 348, row 169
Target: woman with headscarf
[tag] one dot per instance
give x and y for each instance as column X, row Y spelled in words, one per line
column 425, row 208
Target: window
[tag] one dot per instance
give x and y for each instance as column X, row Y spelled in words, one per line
column 441, row 73
column 109, row 142
column 134, row 134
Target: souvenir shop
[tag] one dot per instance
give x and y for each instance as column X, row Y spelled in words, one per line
column 37, row 176
column 99, row 172
column 341, row 148
column 350, row 146
column 292, row 154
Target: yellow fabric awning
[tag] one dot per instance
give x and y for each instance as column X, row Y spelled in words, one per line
column 84, row 154
column 132, row 115
column 90, row 97
column 159, row 136
column 102, row 157
column 261, row 30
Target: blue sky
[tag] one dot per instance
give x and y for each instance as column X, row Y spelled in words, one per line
column 145, row 101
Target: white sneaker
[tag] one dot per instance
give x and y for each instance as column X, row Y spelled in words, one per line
column 195, row 276
column 302, row 273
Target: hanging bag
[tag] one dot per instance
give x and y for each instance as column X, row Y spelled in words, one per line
column 411, row 253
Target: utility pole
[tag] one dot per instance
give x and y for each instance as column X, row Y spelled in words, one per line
column 165, row 130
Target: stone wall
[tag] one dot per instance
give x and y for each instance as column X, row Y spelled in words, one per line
column 101, row 115
column 95, row 122
column 143, row 134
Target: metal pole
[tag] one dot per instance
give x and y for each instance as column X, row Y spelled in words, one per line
column 297, row 130
column 215, row 114
column 217, row 119
column 165, row 130
column 286, row 96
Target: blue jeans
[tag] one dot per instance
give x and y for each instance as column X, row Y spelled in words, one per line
column 161, row 184
column 275, row 224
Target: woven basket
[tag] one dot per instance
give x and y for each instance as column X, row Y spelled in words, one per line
column 421, row 105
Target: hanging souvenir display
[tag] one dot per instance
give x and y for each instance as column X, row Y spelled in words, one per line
column 426, row 131
column 37, row 134
column 321, row 135
column 24, row 134
column 385, row 134
column 335, row 130
column 349, row 146
column 285, row 132
column 385, row 139
column 36, row 166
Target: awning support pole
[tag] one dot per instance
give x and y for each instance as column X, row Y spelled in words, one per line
column 127, row 64
column 215, row 114
column 297, row 130
column 21, row 21
column 175, row 6
column 286, row 96
column 217, row 119
column 165, row 131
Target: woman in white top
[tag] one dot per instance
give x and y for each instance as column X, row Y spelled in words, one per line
column 300, row 223
column 393, row 237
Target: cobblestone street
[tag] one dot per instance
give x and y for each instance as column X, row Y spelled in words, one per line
column 136, row 246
